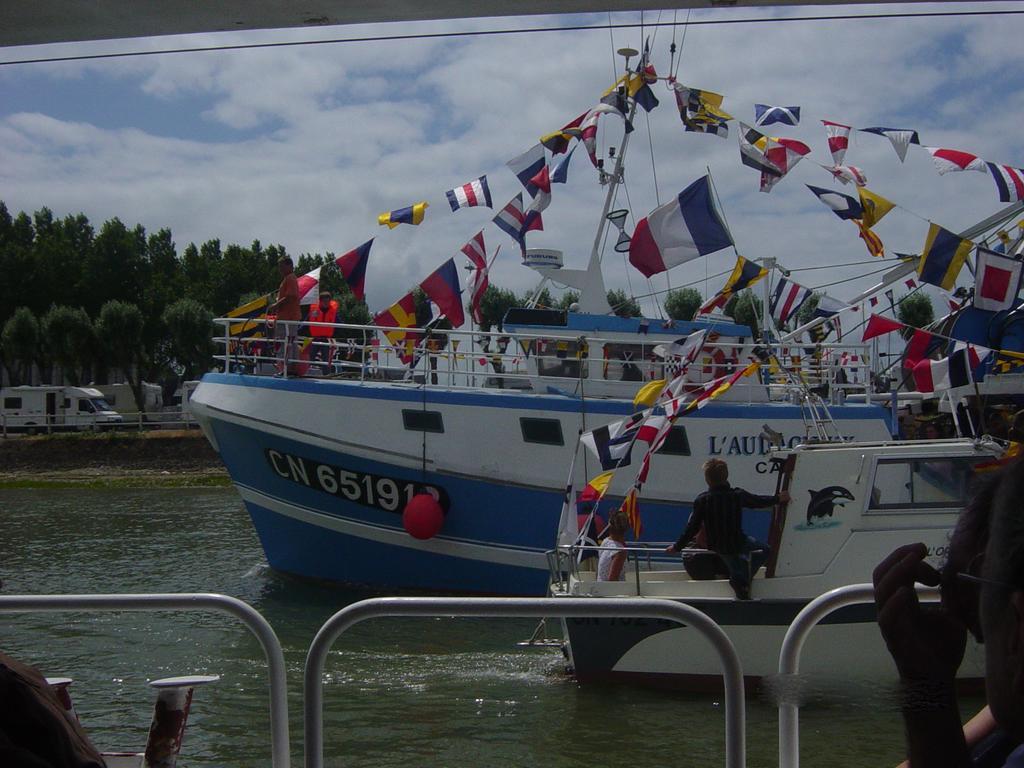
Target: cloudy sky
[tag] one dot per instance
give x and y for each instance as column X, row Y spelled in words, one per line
column 305, row 145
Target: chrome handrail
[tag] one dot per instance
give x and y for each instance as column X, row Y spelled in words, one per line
column 531, row 607
column 253, row 620
column 792, row 647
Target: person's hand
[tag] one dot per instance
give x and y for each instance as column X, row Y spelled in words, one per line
column 784, row 497
column 671, row 549
column 926, row 642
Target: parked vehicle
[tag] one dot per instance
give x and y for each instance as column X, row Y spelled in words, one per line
column 121, row 397
column 41, row 409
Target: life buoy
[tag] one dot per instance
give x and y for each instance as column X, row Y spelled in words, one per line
column 719, row 362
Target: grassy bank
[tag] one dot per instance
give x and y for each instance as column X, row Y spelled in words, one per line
column 162, row 459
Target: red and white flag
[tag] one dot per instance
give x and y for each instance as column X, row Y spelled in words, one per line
column 478, row 282
column 996, row 281
column 838, row 139
column 307, row 287
column 947, row 160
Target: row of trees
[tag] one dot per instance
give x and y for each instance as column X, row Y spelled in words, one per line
column 76, row 303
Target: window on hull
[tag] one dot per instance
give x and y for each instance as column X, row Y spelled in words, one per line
column 422, row 421
column 543, row 431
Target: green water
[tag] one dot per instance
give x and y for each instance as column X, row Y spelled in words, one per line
column 399, row 692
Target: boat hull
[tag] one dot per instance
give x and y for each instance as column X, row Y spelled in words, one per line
column 325, row 469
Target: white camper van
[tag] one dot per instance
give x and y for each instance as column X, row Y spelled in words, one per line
column 38, row 409
column 121, row 397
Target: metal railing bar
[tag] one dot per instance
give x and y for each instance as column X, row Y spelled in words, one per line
column 249, row 616
column 792, row 647
column 536, row 607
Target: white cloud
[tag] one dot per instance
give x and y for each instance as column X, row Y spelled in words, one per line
column 329, row 136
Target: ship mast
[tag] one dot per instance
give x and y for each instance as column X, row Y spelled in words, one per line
column 590, row 281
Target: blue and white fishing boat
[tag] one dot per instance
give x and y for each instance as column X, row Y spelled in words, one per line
column 450, row 475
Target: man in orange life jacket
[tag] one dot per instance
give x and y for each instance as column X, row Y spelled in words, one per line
column 326, row 311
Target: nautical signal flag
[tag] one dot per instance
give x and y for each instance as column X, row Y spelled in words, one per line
column 413, row 214
column 352, row 266
column 847, row 173
column 943, row 257
column 528, row 165
column 597, row 487
column 477, row 253
column 561, row 174
column 442, row 288
column 558, row 142
column 401, row 314
column 248, row 319
column 701, row 111
column 679, row 231
column 765, row 114
column 612, row 443
column 838, row 139
column 947, row 160
column 843, row 206
column 631, row 506
column 875, row 206
column 880, row 326
column 307, row 286
column 786, row 299
column 1009, row 182
column 996, row 281
column 744, row 275
column 900, row 138
column 470, row 194
column 953, row 371
column 918, row 348
column 512, row 220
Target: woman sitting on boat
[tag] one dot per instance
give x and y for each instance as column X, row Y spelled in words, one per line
column 611, row 560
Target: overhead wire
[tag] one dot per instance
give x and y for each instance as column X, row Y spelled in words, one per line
column 521, row 31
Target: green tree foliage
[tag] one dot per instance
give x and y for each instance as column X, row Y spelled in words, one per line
column 20, row 340
column 567, row 299
column 189, row 332
column 745, row 309
column 623, row 305
column 120, row 330
column 682, row 304
column 69, row 340
column 915, row 310
column 806, row 312
column 494, row 304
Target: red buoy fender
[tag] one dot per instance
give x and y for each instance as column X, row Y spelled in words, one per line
column 423, row 516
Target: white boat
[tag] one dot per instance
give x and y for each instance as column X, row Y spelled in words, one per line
column 851, row 505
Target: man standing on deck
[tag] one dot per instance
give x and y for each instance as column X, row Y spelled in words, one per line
column 286, row 308
column 325, row 311
column 720, row 511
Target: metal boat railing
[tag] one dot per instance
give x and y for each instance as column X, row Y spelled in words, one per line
column 457, row 359
column 568, row 607
column 527, row 607
column 253, row 620
column 792, row 646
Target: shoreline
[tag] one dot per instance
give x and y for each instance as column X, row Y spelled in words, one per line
column 158, row 459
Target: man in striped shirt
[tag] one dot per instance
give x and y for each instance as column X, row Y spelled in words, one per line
column 719, row 510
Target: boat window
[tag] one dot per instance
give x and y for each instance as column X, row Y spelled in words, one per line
column 630, row 362
column 545, row 431
column 676, row 442
column 563, row 358
column 922, row 484
column 12, row 402
column 422, row 421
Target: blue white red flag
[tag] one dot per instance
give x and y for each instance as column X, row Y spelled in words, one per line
column 679, row 231
column 512, row 220
column 528, row 165
column 1009, row 181
column 765, row 114
column 470, row 194
column 442, row 288
column 957, row 370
